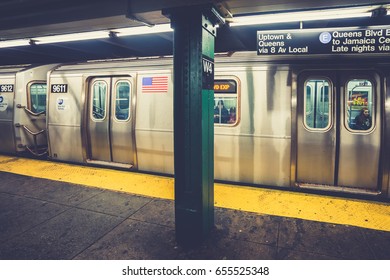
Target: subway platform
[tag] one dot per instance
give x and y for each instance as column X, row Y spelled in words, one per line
column 58, row 211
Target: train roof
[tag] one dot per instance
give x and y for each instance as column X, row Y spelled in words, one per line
column 157, row 62
column 13, row 69
column 233, row 58
column 135, row 63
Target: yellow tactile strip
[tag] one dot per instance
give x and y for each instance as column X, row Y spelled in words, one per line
column 373, row 215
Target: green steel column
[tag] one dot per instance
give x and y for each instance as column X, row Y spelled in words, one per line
column 194, row 35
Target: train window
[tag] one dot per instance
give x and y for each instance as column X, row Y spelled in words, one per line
column 122, row 101
column 38, row 97
column 225, row 102
column 317, row 104
column 359, row 105
column 99, row 100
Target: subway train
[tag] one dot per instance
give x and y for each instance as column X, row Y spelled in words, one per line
column 282, row 123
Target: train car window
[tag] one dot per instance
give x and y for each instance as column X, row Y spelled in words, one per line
column 122, row 101
column 359, row 107
column 317, row 104
column 99, row 100
column 225, row 102
column 38, row 97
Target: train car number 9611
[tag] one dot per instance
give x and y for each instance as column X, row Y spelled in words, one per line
column 59, row 88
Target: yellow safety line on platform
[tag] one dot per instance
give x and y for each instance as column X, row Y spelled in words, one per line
column 373, row 215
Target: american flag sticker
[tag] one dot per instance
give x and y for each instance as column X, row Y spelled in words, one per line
column 156, row 84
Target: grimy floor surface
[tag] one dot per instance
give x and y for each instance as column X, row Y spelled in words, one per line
column 59, row 211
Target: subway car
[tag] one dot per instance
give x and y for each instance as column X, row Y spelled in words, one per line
column 317, row 123
column 22, row 109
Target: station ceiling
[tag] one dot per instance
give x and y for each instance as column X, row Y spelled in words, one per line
column 25, row 19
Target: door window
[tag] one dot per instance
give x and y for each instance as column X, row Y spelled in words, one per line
column 38, row 97
column 317, row 104
column 122, row 101
column 99, row 100
column 359, row 105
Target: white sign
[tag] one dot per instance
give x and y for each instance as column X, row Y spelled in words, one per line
column 62, row 104
column 3, row 103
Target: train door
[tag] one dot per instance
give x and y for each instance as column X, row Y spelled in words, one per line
column 110, row 121
column 339, row 129
column 34, row 120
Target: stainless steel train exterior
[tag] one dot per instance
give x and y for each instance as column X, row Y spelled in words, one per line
column 253, row 148
column 281, row 124
column 22, row 122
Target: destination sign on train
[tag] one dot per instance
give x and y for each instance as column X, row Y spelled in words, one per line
column 225, row 86
column 336, row 41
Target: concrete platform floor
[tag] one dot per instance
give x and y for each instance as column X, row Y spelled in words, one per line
column 53, row 220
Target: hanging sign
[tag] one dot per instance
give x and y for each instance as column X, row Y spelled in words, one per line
column 320, row 41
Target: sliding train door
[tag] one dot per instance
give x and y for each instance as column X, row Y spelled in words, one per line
column 110, row 126
column 339, row 129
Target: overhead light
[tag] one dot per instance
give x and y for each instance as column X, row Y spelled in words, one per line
column 141, row 30
column 14, row 43
column 341, row 13
column 71, row 37
column 87, row 35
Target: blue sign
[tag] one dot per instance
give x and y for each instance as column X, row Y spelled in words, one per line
column 325, row 37
column 324, row 41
